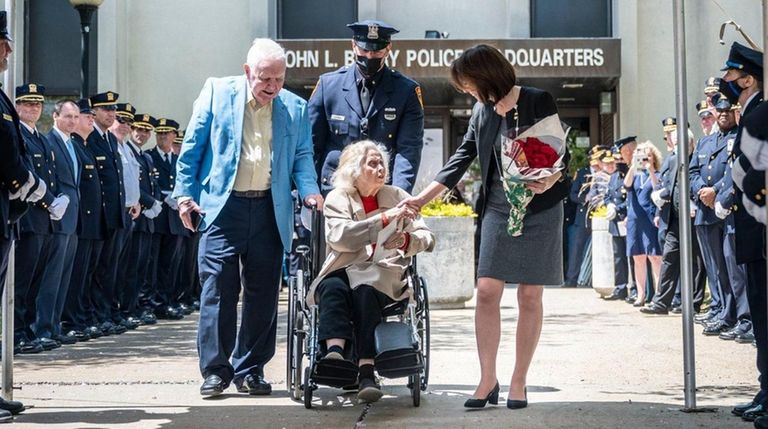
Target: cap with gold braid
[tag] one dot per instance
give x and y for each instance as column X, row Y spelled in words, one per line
column 711, row 85
column 165, row 125
column 125, row 111
column 669, row 124
column 180, row 138
column 105, row 99
column 144, row 121
column 703, row 108
column 30, row 92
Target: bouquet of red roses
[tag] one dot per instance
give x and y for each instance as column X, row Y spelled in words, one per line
column 533, row 154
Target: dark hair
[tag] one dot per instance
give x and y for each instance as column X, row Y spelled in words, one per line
column 486, row 68
column 60, row 105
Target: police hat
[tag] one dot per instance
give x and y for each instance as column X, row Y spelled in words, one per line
column 618, row 144
column 608, row 156
column 745, row 59
column 4, row 27
column 105, row 99
column 31, row 92
column 165, row 125
column 669, row 123
column 703, row 108
column 711, row 85
column 180, row 138
column 721, row 102
column 85, row 105
column 125, row 111
column 144, row 121
column 372, row 35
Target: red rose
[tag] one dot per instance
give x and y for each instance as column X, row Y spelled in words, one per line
column 538, row 154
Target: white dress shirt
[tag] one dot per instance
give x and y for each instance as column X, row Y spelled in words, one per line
column 131, row 172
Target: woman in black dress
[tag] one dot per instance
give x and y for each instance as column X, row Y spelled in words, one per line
column 532, row 259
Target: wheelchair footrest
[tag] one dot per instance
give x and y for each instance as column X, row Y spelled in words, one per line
column 335, row 373
column 397, row 356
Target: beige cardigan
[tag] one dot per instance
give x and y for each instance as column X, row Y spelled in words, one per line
column 350, row 233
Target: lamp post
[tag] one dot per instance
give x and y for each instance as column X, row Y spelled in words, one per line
column 85, row 8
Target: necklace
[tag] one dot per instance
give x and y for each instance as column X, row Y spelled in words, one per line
column 644, row 179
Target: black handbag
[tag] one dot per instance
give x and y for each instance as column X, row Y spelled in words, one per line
column 397, row 353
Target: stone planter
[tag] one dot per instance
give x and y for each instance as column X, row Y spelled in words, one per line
column 450, row 269
column 602, row 258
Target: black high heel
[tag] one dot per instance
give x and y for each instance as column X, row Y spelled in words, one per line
column 493, row 398
column 515, row 404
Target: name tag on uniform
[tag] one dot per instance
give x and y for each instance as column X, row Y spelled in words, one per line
column 390, row 113
column 37, row 155
column 729, row 144
column 88, row 166
column 7, row 117
column 101, row 158
column 337, row 117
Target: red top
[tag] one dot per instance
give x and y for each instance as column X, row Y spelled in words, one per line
column 370, row 204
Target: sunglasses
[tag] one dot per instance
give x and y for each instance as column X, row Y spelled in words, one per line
column 124, row 120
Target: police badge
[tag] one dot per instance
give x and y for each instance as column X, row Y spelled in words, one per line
column 373, row 31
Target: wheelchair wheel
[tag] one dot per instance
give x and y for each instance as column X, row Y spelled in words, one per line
column 415, row 385
column 307, row 388
column 295, row 343
column 424, row 331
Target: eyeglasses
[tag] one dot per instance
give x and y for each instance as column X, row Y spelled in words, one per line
column 124, row 121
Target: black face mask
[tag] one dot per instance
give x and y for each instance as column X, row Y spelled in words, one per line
column 369, row 66
column 731, row 90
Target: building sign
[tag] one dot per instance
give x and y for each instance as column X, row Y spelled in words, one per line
column 544, row 58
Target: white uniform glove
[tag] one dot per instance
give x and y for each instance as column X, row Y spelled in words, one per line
column 171, row 203
column 656, row 197
column 29, row 192
column 152, row 212
column 58, row 207
column 754, row 210
column 693, row 211
column 720, row 211
column 611, row 213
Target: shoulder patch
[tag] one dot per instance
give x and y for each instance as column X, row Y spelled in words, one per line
column 7, row 117
column 418, row 95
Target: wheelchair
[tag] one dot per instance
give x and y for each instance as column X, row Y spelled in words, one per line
column 402, row 339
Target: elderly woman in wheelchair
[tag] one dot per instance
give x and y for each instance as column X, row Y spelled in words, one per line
column 361, row 276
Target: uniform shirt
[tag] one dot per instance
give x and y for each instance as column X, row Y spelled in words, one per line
column 131, row 171
column 254, row 170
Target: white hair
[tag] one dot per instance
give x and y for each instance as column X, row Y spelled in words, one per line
column 264, row 49
column 351, row 163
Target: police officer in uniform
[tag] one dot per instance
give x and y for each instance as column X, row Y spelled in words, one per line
column 616, row 202
column 189, row 277
column 368, row 100
column 742, row 84
column 103, row 145
column 37, row 267
column 166, row 242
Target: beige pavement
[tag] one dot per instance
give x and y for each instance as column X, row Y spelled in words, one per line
column 599, row 365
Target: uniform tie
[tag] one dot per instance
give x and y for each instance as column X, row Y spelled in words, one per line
column 365, row 96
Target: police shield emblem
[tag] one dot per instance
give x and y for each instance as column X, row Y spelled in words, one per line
column 373, row 31
column 390, row 113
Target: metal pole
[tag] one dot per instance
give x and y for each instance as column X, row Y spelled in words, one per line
column 85, row 42
column 765, row 75
column 6, row 351
column 683, row 187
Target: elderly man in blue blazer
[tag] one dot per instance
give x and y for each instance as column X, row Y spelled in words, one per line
column 246, row 141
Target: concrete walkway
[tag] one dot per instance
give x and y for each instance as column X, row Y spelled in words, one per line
column 599, row 365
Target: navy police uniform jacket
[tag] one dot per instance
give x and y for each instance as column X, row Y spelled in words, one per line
column 667, row 183
column 617, row 195
column 40, row 157
column 578, row 196
column 91, row 225
column 67, row 180
column 168, row 221
column 395, row 118
column 110, row 171
column 148, row 190
column 14, row 170
column 707, row 170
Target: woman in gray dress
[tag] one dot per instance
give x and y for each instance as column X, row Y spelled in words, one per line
column 532, row 259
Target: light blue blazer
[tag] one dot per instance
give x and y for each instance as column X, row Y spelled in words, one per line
column 210, row 153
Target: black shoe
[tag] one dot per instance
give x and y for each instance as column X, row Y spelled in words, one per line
column 196, row 305
column 213, row 385
column 716, row 328
column 746, row 338
column 5, row 416
column 514, row 404
column 29, row 347
column 705, row 318
column 148, row 318
column 48, row 343
column 253, row 385
column 78, row 335
column 65, row 339
column 369, row 391
column 617, row 296
column 129, row 323
column 13, row 407
column 761, row 423
column 739, row 409
column 676, row 310
column 631, row 298
column 94, row 332
column 184, row 309
column 753, row 413
column 654, row 309
column 742, row 327
column 168, row 313
column 493, row 398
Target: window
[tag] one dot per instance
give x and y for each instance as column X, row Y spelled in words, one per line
column 52, row 40
column 571, row 18
column 315, row 19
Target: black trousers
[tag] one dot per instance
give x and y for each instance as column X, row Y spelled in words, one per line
column 188, row 278
column 5, row 251
column 335, row 307
column 756, row 295
column 32, row 256
column 133, row 270
column 620, row 265
column 670, row 268
column 104, row 292
column 166, row 251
